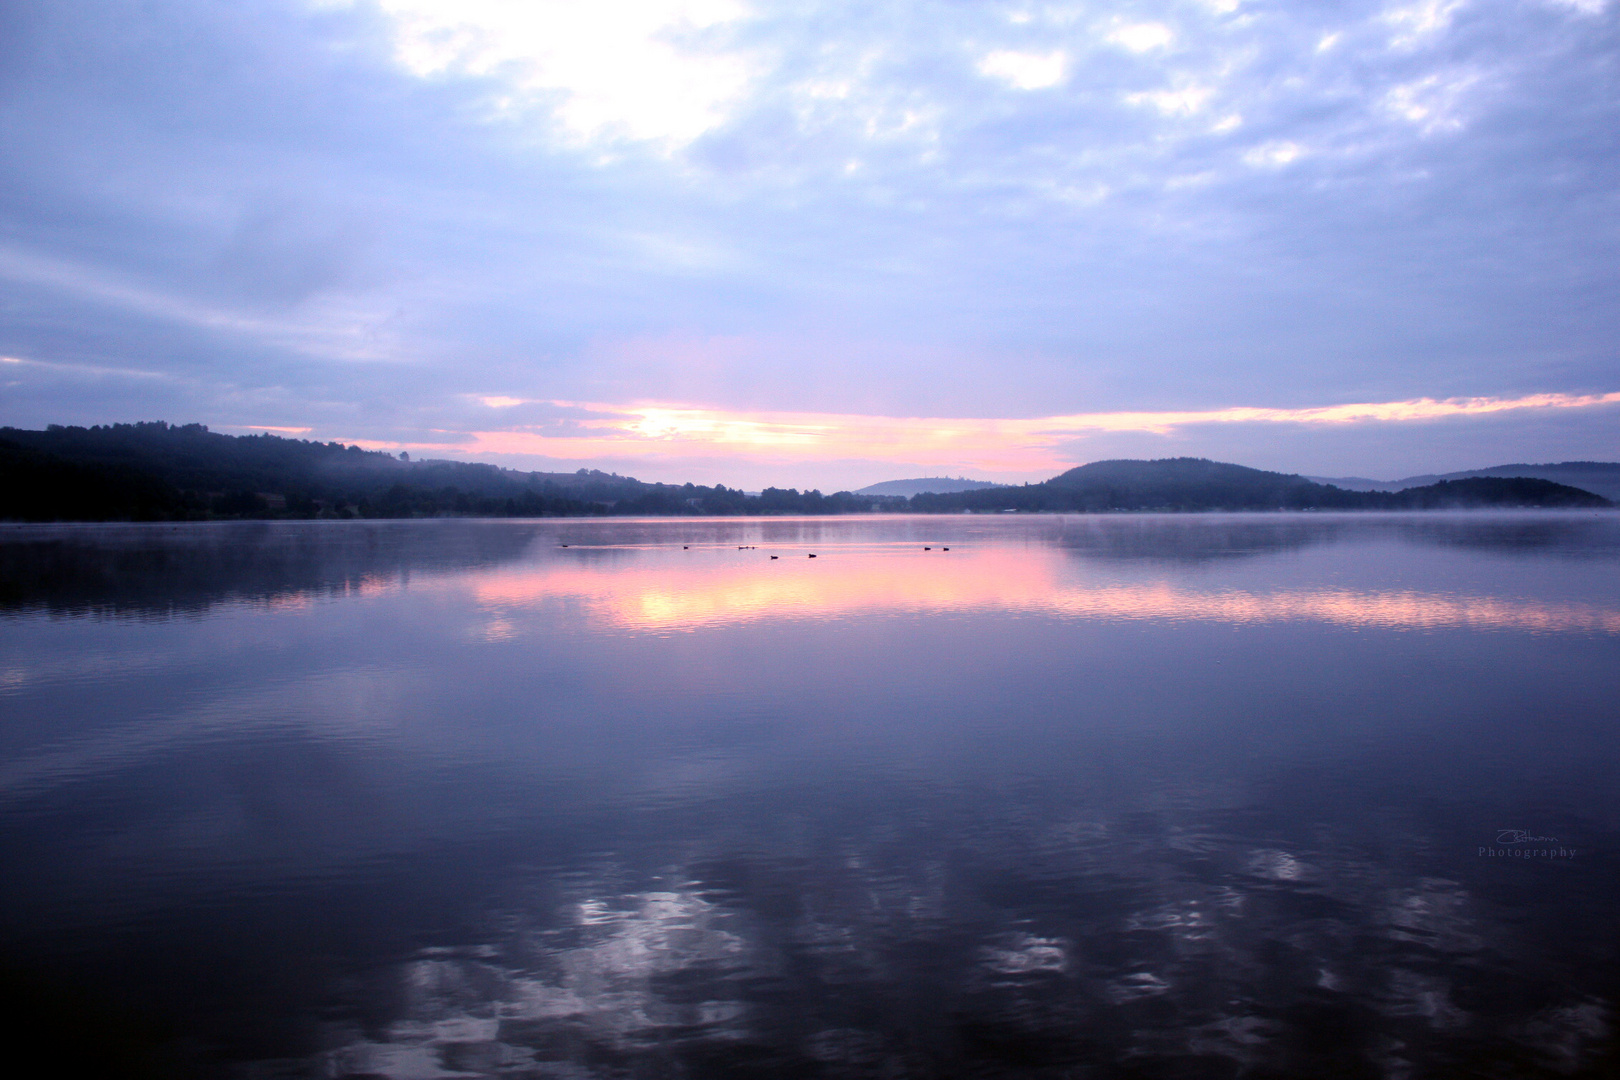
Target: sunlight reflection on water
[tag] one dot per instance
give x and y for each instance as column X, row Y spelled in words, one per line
column 657, row 594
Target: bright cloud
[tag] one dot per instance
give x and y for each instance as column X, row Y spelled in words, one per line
column 1431, row 102
column 1182, row 102
column 1026, row 71
column 639, row 68
column 1415, row 22
column 1141, row 37
column 1273, row 154
column 665, row 72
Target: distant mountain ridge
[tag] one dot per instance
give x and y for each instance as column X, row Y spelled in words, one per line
column 939, row 485
column 1198, row 484
column 1598, row 477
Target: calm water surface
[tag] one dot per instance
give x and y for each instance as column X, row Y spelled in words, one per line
column 1130, row 796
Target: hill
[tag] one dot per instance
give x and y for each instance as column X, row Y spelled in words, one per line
column 1168, row 484
column 1599, row 477
column 1198, row 484
column 159, row 472
column 936, row 484
column 162, row 472
column 1479, row 491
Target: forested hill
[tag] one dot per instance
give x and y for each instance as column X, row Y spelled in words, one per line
column 1198, row 484
column 162, row 472
column 1598, row 477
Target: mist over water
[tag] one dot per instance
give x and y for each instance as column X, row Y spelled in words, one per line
column 1115, row 796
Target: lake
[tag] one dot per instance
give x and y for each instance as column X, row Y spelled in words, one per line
column 1142, row 796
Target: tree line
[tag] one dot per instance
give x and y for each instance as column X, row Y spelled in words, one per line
column 161, row 472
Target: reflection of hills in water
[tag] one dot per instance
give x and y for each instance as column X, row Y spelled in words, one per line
column 159, row 570
column 1199, row 538
column 1585, row 536
column 1196, row 538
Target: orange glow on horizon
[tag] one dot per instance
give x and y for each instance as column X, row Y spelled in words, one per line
column 656, row 430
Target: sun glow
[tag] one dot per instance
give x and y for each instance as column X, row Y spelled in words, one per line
column 657, row 430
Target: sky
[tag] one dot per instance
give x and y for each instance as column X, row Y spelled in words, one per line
column 818, row 243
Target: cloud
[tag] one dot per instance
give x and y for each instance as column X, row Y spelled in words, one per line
column 1025, row 71
column 1432, row 102
column 364, row 217
column 642, row 69
column 655, row 431
column 1141, row 37
column 1180, row 102
column 84, row 370
column 1413, row 23
column 1273, row 154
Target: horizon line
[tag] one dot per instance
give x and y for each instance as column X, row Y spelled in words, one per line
column 652, row 430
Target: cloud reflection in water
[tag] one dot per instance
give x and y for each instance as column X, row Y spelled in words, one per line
column 652, row 592
column 1122, row 795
